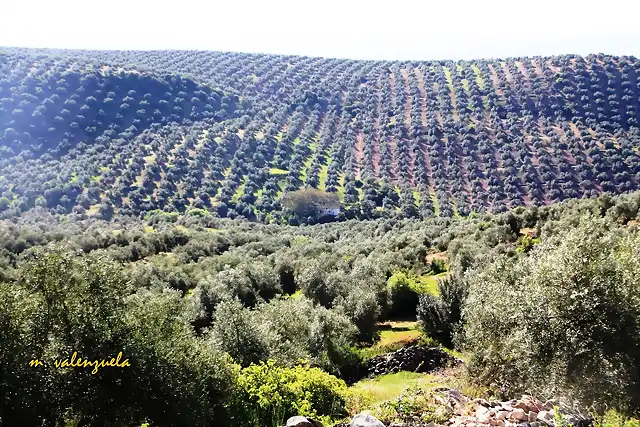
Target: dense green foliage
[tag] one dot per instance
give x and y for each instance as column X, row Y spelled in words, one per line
column 441, row 316
column 63, row 303
column 564, row 319
column 196, row 303
column 403, row 297
column 99, row 133
column 269, row 394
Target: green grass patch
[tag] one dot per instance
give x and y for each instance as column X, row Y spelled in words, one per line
column 282, row 183
column 479, row 79
column 465, row 85
column 400, row 332
column 612, row 418
column 305, row 168
column 393, row 336
column 239, row 192
column 456, row 213
column 277, row 171
column 93, row 210
column 434, row 201
column 447, row 75
column 322, row 176
column 370, row 393
column 387, row 387
column 296, row 295
column 427, row 284
column 416, row 197
column 341, row 187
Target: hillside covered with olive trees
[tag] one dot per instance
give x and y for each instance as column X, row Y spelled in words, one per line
column 104, row 133
column 271, row 240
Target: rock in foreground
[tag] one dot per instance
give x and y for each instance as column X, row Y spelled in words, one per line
column 299, row 421
column 365, row 420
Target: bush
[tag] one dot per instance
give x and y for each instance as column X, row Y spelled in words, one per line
column 432, row 316
column 613, row 418
column 286, row 331
column 563, row 320
column 288, row 321
column 440, row 316
column 236, row 331
column 403, row 298
column 362, row 307
column 438, row 266
column 268, row 394
column 319, row 283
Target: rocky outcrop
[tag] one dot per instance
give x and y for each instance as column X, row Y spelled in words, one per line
column 450, row 408
column 412, row 357
column 526, row 412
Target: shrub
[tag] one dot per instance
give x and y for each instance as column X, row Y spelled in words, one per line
column 268, row 394
column 236, row 331
column 286, row 331
column 563, row 320
column 362, row 307
column 403, row 298
column 331, row 338
column 412, row 405
column 318, row 282
column 288, row 321
column 440, row 316
column 613, row 418
column 432, row 315
column 438, row 266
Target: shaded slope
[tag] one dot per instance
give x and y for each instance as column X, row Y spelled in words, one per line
column 50, row 106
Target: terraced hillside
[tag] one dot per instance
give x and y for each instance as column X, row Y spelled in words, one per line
column 103, row 133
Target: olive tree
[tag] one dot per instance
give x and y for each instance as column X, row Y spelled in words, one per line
column 564, row 319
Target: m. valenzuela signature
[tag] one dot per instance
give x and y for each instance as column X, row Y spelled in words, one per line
column 78, row 362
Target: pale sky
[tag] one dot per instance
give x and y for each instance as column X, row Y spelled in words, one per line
column 377, row 29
